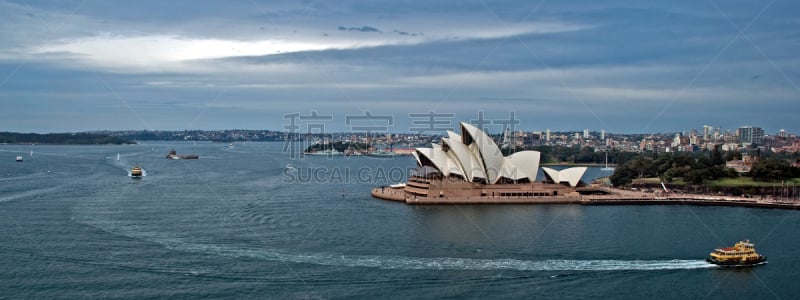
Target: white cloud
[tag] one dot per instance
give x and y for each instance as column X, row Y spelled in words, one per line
column 152, row 51
column 125, row 50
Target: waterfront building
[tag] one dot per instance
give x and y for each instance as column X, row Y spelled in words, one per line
column 470, row 165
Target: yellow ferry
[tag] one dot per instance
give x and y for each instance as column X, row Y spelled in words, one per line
column 742, row 254
column 136, row 172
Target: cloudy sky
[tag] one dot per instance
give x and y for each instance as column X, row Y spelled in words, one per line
column 622, row 66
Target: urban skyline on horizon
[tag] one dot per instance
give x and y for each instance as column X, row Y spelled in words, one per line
column 493, row 129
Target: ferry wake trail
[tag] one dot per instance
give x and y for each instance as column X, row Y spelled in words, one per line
column 429, row 263
column 454, row 263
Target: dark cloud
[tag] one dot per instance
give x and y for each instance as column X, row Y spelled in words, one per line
column 361, row 29
column 407, row 33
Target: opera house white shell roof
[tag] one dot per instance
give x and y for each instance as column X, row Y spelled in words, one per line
column 570, row 175
column 474, row 156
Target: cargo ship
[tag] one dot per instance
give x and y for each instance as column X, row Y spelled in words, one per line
column 742, row 254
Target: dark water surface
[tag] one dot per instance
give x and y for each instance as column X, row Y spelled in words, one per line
column 237, row 224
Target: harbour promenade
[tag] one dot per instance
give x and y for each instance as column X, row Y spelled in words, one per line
column 615, row 197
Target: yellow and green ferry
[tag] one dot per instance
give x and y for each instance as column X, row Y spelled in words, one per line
column 136, row 172
column 742, row 254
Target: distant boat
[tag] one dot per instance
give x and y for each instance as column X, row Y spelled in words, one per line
column 230, row 146
column 136, row 172
column 174, row 155
column 381, row 153
column 19, row 158
column 330, row 152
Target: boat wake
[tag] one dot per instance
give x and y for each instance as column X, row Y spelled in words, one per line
column 29, row 193
column 399, row 262
column 144, row 173
column 453, row 263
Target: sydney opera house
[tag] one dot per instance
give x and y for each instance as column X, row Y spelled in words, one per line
column 470, row 168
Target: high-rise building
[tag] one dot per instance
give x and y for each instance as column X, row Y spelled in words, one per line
column 603, row 134
column 586, row 133
column 547, row 133
column 749, row 135
column 782, row 133
column 707, row 132
column 677, row 140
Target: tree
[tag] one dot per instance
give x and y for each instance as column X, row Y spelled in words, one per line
column 585, row 155
column 716, row 156
column 733, row 155
column 622, row 175
column 772, row 169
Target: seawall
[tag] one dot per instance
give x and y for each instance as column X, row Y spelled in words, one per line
column 619, row 198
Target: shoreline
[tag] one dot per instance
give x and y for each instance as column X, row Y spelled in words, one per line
column 617, row 197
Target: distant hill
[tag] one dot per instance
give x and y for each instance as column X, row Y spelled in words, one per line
column 61, row 138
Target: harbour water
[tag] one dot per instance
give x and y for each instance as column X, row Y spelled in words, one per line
column 237, row 223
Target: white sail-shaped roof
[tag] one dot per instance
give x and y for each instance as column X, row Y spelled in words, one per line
column 436, row 156
column 524, row 164
column 447, row 161
column 478, row 171
column 570, row 175
column 460, row 154
column 485, row 150
column 474, row 156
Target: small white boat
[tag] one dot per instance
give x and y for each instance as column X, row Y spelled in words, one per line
column 19, row 158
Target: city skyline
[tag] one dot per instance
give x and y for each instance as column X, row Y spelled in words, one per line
column 492, row 128
column 614, row 66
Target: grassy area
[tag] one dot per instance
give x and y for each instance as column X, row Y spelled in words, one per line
column 656, row 180
column 723, row 182
column 747, row 181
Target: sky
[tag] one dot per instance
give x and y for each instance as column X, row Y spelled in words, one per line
column 618, row 66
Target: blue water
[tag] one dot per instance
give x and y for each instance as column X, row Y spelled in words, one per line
column 237, row 224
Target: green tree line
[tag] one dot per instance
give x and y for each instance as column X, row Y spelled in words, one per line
column 60, row 138
column 696, row 168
